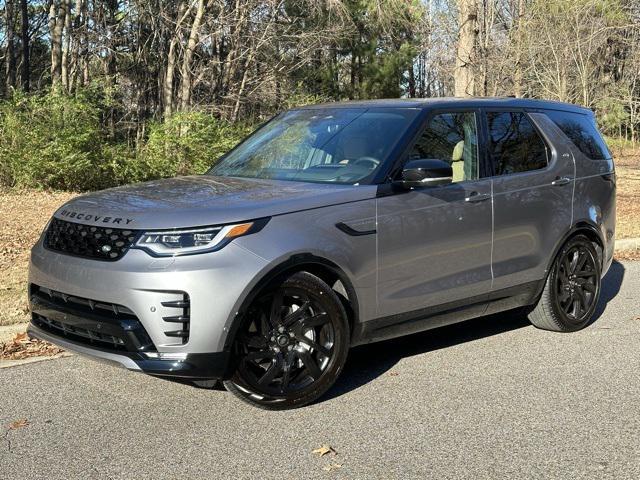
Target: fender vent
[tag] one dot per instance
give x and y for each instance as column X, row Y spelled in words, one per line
column 180, row 319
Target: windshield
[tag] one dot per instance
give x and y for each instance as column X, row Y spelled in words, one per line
column 337, row 145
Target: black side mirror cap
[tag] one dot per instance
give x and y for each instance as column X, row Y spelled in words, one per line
column 427, row 172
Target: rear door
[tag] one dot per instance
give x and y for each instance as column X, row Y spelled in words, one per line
column 533, row 178
column 434, row 243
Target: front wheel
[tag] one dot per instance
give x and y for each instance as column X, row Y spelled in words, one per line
column 291, row 346
column 572, row 289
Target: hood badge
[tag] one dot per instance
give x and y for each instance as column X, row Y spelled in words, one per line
column 95, row 218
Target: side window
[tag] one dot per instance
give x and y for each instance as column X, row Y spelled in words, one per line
column 582, row 131
column 452, row 137
column 514, row 144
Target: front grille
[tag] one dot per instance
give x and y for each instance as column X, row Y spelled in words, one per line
column 100, row 243
column 105, row 325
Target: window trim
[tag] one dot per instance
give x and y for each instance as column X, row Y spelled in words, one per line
column 430, row 113
column 551, row 157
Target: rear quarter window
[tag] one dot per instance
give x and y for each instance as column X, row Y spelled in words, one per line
column 582, row 131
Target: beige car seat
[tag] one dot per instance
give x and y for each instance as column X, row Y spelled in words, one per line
column 457, row 161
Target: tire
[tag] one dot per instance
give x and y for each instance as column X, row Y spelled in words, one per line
column 572, row 288
column 291, row 346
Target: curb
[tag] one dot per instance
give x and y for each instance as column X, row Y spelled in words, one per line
column 627, row 244
column 26, row 361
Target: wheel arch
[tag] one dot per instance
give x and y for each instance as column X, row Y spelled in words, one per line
column 587, row 229
column 325, row 269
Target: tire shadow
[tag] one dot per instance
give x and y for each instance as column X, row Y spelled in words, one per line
column 367, row 362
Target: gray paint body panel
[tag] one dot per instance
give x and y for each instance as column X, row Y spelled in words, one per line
column 434, row 247
column 201, row 200
column 531, row 214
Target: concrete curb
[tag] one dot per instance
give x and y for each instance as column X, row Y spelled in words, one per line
column 627, row 244
column 26, row 361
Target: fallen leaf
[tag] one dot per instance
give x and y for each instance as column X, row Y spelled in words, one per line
column 20, row 337
column 23, row 422
column 24, row 347
column 332, row 466
column 324, row 450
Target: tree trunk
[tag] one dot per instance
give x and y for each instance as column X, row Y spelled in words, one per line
column 167, row 90
column 66, row 46
column 465, row 69
column 57, row 16
column 185, row 71
column 517, row 74
column 11, row 45
column 26, row 66
column 77, row 34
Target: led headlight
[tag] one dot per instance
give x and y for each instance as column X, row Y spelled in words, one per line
column 198, row 240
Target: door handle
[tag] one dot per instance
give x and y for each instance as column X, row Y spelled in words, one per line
column 560, row 181
column 477, row 197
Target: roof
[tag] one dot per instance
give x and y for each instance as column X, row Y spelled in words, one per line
column 458, row 102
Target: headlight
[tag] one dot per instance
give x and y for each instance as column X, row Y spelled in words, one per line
column 198, row 240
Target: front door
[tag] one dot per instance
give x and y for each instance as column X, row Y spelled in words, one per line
column 434, row 243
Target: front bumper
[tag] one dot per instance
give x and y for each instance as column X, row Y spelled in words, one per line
column 214, row 285
column 197, row 366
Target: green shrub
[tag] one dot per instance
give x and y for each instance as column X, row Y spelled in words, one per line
column 57, row 141
column 184, row 144
column 50, row 140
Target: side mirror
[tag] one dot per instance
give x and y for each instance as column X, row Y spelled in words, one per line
column 428, row 172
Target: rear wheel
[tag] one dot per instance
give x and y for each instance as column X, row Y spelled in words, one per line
column 572, row 288
column 291, row 346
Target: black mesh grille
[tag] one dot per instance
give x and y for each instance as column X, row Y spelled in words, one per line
column 92, row 322
column 101, row 243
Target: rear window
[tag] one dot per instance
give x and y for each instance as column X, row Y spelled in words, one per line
column 582, row 131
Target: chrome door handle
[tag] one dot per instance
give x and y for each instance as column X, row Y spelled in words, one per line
column 477, row 197
column 560, row 181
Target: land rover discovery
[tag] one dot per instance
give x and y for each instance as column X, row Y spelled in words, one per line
column 332, row 226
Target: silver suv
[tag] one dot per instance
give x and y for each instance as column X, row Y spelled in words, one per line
column 332, row 226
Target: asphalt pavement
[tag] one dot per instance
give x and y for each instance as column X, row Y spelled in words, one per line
column 489, row 398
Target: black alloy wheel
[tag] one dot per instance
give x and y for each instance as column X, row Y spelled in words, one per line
column 292, row 344
column 572, row 288
column 577, row 282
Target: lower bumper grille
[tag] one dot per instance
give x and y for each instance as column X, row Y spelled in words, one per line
column 90, row 322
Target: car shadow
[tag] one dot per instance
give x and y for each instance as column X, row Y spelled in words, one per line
column 367, row 362
column 611, row 284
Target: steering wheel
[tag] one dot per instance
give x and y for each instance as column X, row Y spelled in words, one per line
column 368, row 162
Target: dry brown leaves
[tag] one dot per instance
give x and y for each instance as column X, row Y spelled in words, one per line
column 23, row 422
column 324, row 450
column 627, row 254
column 22, row 346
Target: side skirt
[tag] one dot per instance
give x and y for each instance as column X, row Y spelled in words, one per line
column 393, row 326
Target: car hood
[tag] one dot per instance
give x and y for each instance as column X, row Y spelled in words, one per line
column 203, row 200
